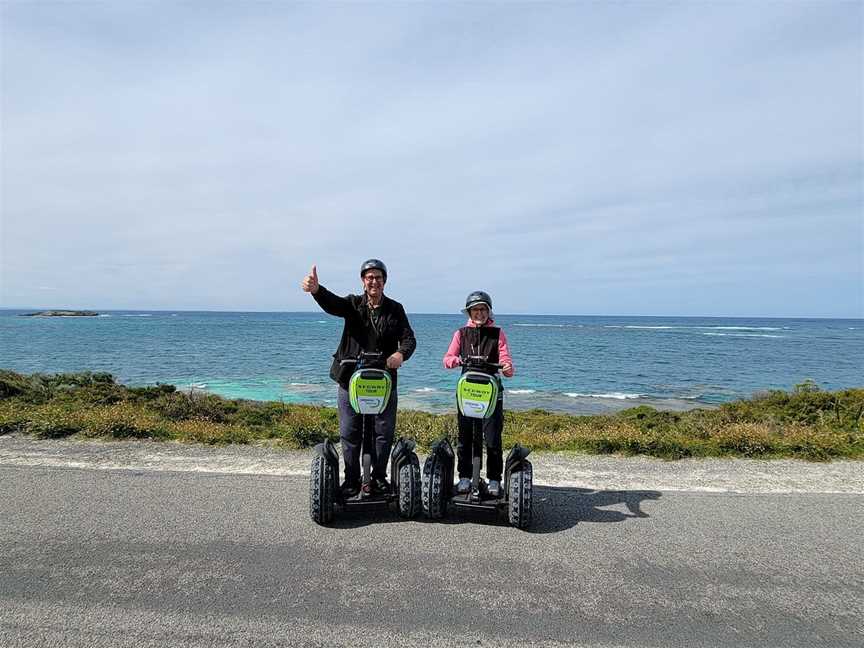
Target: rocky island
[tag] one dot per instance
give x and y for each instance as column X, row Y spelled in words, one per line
column 61, row 313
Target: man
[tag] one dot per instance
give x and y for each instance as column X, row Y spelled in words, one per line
column 373, row 322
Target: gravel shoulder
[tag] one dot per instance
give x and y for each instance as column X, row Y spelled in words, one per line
column 565, row 470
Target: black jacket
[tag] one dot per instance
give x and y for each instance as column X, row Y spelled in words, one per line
column 393, row 333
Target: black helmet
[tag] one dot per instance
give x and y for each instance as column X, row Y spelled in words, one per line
column 373, row 264
column 475, row 298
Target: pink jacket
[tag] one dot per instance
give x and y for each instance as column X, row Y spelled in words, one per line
column 451, row 358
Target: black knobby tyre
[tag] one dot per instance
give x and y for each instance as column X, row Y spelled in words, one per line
column 321, row 491
column 521, row 496
column 434, row 500
column 409, row 490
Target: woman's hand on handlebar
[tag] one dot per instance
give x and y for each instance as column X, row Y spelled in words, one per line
column 481, row 363
column 506, row 367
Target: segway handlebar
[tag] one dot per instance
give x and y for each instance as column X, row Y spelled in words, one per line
column 479, row 362
column 366, row 359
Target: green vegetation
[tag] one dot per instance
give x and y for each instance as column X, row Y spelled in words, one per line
column 807, row 423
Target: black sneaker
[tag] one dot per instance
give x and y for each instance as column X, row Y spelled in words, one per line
column 380, row 485
column 349, row 489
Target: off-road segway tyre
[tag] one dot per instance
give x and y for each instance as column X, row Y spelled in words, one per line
column 434, row 489
column 410, row 490
column 521, row 496
column 322, row 494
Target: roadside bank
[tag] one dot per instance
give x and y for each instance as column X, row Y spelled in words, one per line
column 555, row 469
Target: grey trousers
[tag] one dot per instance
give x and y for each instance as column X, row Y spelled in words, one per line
column 351, row 435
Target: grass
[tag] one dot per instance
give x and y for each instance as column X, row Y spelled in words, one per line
column 806, row 423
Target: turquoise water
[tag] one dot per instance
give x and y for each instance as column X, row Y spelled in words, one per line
column 576, row 364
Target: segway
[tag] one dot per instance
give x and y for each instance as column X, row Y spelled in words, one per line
column 369, row 392
column 476, row 396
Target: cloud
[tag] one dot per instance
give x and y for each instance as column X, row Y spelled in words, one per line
column 215, row 154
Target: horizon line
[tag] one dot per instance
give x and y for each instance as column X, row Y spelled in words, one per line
column 311, row 312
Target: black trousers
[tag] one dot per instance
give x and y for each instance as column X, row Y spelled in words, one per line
column 466, row 451
column 351, row 435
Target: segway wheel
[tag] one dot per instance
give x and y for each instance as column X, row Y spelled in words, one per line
column 322, row 493
column 521, row 496
column 409, row 490
column 434, row 499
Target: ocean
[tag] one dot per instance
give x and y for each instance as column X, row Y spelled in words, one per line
column 572, row 364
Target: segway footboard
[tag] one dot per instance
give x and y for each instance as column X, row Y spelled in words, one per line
column 438, row 479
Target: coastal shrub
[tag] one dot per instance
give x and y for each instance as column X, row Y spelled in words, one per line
column 745, row 440
column 54, row 421
column 649, row 419
column 81, row 379
column 841, row 409
column 695, row 425
column 615, row 436
column 806, row 423
column 426, row 428
column 96, row 393
column 121, row 421
column 258, row 414
column 39, row 389
column 14, row 416
column 149, row 393
column 819, row 443
column 208, row 432
column 181, row 406
column 808, row 386
column 543, row 430
column 12, row 384
column 303, row 426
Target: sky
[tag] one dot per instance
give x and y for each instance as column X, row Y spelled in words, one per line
column 628, row 158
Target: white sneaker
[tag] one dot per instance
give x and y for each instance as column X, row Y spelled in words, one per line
column 464, row 485
column 494, row 488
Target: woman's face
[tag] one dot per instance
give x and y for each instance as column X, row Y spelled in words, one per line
column 479, row 314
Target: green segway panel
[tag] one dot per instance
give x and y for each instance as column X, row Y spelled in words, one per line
column 369, row 390
column 476, row 394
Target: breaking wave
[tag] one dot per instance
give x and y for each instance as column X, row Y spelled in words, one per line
column 549, row 325
column 747, row 335
column 647, row 328
column 614, row 395
column 698, row 328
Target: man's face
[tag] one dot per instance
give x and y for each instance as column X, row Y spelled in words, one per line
column 373, row 283
column 479, row 314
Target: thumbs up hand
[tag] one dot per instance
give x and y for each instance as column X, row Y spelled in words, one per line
column 310, row 281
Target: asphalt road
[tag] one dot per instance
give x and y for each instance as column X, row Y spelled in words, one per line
column 142, row 558
column 157, row 558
